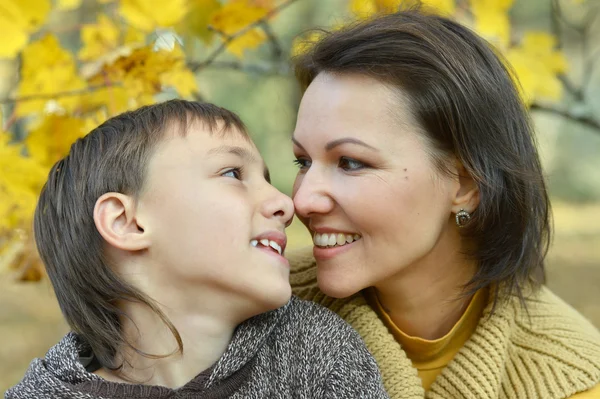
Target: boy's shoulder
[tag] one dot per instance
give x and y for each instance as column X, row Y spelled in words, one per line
column 309, row 319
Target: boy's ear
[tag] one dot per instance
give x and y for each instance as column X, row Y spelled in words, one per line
column 115, row 219
column 467, row 195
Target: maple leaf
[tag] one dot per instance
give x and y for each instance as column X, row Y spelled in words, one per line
column 301, row 44
column 237, row 15
column 51, row 139
column 542, row 45
column 68, row 4
column 366, row 8
column 140, row 75
column 21, row 178
column 47, row 69
column 148, row 15
column 99, row 38
column 197, row 19
column 491, row 20
column 19, row 19
column 537, row 78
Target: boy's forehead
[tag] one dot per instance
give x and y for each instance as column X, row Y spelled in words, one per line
column 199, row 139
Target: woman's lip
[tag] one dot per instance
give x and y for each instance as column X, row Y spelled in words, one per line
column 325, row 253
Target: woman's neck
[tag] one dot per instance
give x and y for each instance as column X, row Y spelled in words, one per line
column 426, row 299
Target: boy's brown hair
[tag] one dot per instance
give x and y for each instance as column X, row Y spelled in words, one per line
column 111, row 158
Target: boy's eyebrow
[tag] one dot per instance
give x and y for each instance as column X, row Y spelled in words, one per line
column 243, row 153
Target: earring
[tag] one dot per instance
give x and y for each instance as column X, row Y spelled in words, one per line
column 462, row 218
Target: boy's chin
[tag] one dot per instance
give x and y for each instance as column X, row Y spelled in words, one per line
column 273, row 299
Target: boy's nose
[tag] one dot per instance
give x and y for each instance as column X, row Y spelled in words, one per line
column 279, row 206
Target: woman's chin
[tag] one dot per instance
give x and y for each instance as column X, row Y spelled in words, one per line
column 336, row 286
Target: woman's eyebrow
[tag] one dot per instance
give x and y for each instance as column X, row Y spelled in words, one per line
column 345, row 140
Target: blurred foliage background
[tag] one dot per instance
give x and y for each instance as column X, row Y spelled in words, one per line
column 67, row 65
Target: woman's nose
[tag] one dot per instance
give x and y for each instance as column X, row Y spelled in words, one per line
column 311, row 195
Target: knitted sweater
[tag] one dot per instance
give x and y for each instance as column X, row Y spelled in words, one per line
column 551, row 355
column 298, row 351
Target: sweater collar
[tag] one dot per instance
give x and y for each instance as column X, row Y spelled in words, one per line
column 498, row 358
column 61, row 370
column 247, row 340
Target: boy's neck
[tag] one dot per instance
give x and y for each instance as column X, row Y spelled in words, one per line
column 205, row 335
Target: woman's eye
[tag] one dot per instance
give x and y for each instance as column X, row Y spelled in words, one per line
column 302, row 163
column 349, row 164
column 236, row 173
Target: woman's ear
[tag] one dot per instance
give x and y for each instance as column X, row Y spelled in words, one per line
column 115, row 219
column 467, row 195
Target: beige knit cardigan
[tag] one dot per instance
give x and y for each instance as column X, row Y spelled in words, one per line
column 553, row 354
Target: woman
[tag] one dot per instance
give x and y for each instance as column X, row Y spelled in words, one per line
column 422, row 187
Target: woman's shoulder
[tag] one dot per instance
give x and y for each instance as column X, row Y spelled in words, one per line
column 548, row 315
column 556, row 337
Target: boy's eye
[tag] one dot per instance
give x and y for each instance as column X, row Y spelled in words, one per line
column 236, row 173
column 349, row 164
column 302, row 163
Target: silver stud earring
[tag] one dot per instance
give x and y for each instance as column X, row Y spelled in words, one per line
column 462, row 218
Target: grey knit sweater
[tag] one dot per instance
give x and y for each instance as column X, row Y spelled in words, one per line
column 298, row 351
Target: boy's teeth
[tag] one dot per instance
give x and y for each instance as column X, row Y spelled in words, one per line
column 267, row 243
column 334, row 239
column 275, row 246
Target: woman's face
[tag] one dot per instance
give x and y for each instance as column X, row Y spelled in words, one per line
column 367, row 188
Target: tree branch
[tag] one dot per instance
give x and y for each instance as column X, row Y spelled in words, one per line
column 276, row 49
column 229, row 38
column 50, row 96
column 584, row 120
column 259, row 69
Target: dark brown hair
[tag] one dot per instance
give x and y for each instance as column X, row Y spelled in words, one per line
column 111, row 158
column 462, row 95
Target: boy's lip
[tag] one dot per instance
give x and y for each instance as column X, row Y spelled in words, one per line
column 275, row 236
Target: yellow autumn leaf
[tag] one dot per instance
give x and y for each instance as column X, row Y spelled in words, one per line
column 363, row 8
column 148, row 15
column 47, row 69
column 68, row 4
column 98, row 38
column 542, row 45
column 197, row 19
column 495, row 5
column 134, row 36
column 235, row 16
column 21, row 178
column 537, row 80
column 19, row 19
column 139, row 76
column 366, row 8
column 51, row 138
column 302, row 44
column 442, row 7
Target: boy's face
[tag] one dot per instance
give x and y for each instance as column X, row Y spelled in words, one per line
column 206, row 207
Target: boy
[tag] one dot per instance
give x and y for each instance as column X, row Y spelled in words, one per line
column 164, row 241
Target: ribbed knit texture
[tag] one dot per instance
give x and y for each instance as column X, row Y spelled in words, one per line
column 551, row 355
column 299, row 351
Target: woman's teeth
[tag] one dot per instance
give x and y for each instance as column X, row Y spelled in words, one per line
column 267, row 243
column 334, row 239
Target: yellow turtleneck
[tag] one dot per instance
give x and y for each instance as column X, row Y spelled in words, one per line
column 430, row 357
